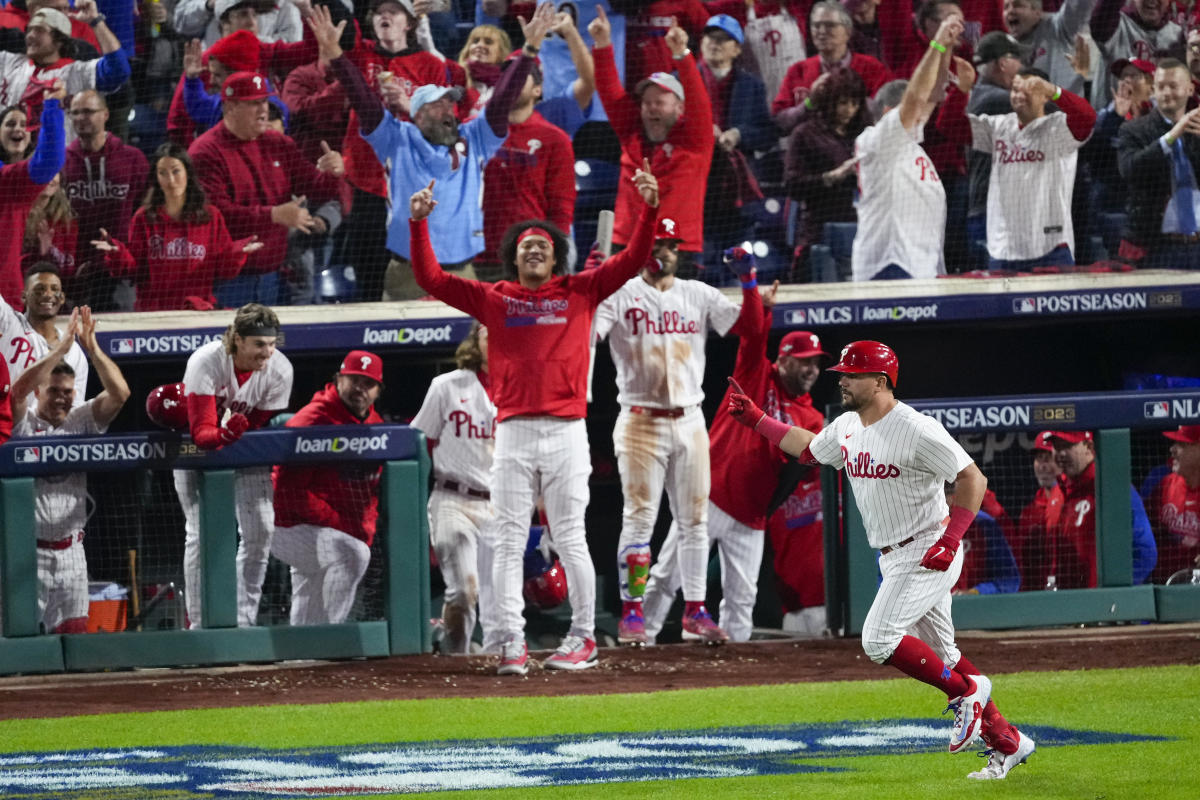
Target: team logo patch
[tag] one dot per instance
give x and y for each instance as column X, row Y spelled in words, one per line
column 242, row 773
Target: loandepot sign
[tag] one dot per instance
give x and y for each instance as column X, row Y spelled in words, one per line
column 180, row 773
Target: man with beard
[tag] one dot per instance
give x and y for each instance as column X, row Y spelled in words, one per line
column 745, row 468
column 657, row 325
column 434, row 147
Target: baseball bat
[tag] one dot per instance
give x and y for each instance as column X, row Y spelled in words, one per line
column 135, row 600
column 604, row 232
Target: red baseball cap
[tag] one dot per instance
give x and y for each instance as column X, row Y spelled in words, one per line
column 1188, row 434
column 360, row 362
column 1070, row 437
column 801, row 344
column 1120, row 64
column 1042, row 441
column 245, row 86
column 668, row 229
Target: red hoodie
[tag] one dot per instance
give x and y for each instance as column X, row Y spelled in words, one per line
column 104, row 187
column 343, row 496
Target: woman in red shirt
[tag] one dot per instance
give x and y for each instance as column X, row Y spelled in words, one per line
column 178, row 242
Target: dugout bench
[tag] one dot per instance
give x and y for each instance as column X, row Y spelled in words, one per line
column 403, row 528
column 852, row 575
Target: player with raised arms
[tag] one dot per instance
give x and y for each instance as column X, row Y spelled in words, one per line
column 897, row 460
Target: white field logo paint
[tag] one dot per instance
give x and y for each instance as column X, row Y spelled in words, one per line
column 243, row 773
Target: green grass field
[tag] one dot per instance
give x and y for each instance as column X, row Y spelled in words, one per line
column 1150, row 701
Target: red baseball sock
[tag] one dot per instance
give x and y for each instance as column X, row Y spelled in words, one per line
column 917, row 660
column 997, row 732
column 691, row 607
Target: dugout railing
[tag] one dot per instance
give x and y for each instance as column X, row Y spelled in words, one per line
column 403, row 527
column 851, row 569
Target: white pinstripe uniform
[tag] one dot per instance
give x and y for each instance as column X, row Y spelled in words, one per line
column 458, row 413
column 210, row 372
column 60, row 514
column 897, row 468
column 326, row 567
column 657, row 342
column 21, row 346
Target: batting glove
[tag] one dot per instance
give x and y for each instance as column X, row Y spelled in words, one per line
column 742, row 408
column 741, row 261
column 941, row 554
column 234, row 428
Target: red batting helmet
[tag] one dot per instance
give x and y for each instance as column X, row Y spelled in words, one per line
column 165, row 405
column 549, row 589
column 865, row 357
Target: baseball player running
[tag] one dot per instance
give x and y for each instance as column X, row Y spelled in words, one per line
column 232, row 386
column 60, row 503
column 897, row 461
column 325, row 513
column 539, row 330
column 459, row 420
column 656, row 325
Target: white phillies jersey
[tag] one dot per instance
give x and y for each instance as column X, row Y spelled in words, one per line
column 21, row 76
column 21, row 346
column 774, row 42
column 902, row 205
column 458, row 413
column 1033, row 176
column 210, row 372
column 75, row 358
column 657, row 339
column 60, row 501
column 897, row 468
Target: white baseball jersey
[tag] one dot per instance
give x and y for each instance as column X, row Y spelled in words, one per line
column 459, row 414
column 897, row 468
column 19, row 72
column 774, row 42
column 210, row 372
column 657, row 339
column 1033, row 177
column 902, row 204
column 60, row 502
column 21, row 346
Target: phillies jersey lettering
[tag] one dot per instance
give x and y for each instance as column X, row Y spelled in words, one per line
column 210, row 372
column 863, row 466
column 459, row 414
column 176, row 249
column 1183, row 523
column 19, row 344
column 928, row 171
column 464, row 426
column 640, row 321
column 771, row 38
column 1015, row 153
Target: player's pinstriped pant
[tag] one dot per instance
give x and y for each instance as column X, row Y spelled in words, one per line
column 63, row 586
column 912, row 600
column 253, row 501
column 739, row 548
column 327, row 565
column 651, row 452
column 550, row 456
column 456, row 532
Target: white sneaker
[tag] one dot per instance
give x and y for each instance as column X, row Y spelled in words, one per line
column 968, row 713
column 999, row 765
column 575, row 652
column 514, row 657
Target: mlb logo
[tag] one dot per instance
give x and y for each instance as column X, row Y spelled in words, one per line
column 119, row 347
column 1158, row 410
column 796, row 317
column 27, row 455
column 1024, row 305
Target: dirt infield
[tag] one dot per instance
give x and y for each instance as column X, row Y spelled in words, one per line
column 620, row 670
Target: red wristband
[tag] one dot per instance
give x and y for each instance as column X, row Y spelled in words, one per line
column 960, row 519
column 772, row 429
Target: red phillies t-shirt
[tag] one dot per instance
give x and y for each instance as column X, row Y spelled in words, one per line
column 532, row 176
column 797, row 538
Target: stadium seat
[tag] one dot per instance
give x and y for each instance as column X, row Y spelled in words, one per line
column 336, row 284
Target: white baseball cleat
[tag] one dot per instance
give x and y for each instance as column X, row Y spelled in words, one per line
column 514, row 657
column 968, row 713
column 575, row 652
column 999, row 765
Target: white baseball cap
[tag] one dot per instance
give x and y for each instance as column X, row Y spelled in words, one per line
column 430, row 93
column 663, row 80
column 50, row 18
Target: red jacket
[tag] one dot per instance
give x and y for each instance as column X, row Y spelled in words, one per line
column 745, row 466
column 1033, row 544
column 903, row 44
column 1075, row 545
column 1176, row 517
column 797, row 538
column 803, row 74
column 646, row 50
column 174, row 263
column 532, row 176
column 246, row 179
column 538, row 339
column 681, row 163
column 318, row 108
column 342, row 496
column 17, row 194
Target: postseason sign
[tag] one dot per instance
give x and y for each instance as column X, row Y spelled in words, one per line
column 1071, row 412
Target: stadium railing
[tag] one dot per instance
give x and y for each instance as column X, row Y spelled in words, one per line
column 852, row 573
column 403, row 527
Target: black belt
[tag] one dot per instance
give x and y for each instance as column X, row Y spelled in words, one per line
column 462, row 488
column 883, row 551
column 673, row 413
column 60, row 544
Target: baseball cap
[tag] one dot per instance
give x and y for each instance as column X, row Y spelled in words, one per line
column 996, row 44
column 663, row 80
column 801, row 344
column 360, row 362
column 50, row 18
column 221, row 7
column 1070, row 437
column 405, row 4
column 245, row 86
column 1120, row 64
column 239, row 51
column 667, row 230
column 726, row 23
column 1042, row 441
column 1188, row 434
column 429, row 93
column 514, row 55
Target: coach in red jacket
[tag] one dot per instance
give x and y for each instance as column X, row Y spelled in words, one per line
column 325, row 513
